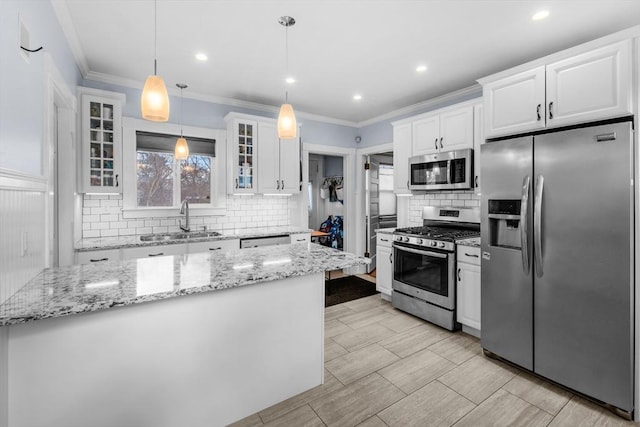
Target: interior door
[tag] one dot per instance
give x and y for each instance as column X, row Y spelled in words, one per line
column 507, row 292
column 583, row 286
column 372, row 207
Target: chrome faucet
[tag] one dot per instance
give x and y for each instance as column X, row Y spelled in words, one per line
column 184, row 210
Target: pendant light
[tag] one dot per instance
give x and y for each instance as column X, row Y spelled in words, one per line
column 181, row 151
column 154, row 102
column 287, row 126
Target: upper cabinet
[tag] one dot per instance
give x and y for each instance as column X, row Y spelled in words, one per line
column 258, row 161
column 447, row 129
column 401, row 153
column 592, row 85
column 101, row 141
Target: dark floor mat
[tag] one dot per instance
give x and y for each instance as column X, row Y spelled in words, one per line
column 347, row 289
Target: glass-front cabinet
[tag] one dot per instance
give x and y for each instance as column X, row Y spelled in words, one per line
column 101, row 141
column 243, row 137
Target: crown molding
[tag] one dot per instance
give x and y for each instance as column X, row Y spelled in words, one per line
column 64, row 18
column 433, row 102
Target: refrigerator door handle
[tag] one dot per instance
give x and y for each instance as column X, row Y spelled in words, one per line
column 524, row 221
column 537, row 224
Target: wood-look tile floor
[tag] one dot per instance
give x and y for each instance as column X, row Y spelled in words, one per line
column 384, row 367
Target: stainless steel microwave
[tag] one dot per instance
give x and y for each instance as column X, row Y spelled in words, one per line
column 445, row 170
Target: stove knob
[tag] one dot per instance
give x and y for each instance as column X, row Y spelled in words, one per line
column 419, row 241
column 433, row 244
column 406, row 239
column 441, row 245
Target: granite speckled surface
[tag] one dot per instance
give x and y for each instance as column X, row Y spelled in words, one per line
column 117, row 242
column 472, row 241
column 91, row 287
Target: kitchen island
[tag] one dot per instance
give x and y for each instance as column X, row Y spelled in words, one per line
column 198, row 339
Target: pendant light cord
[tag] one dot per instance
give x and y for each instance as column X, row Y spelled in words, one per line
column 155, row 37
column 181, row 102
column 286, row 60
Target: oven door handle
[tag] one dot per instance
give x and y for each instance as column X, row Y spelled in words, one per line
column 419, row 252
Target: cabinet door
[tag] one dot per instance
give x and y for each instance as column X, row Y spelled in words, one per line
column 213, row 246
column 101, row 145
column 290, row 166
column 154, row 251
column 456, row 129
column 478, row 140
column 426, row 135
column 384, row 269
column 401, row 154
column 515, row 104
column 269, row 159
column 87, row 257
column 468, row 297
column 594, row 85
column 242, row 158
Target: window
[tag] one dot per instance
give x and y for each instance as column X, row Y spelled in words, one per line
column 155, row 183
column 164, row 181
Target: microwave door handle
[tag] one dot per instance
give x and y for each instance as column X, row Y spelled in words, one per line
column 420, row 252
column 450, row 172
column 524, row 224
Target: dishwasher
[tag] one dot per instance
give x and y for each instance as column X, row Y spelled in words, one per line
column 255, row 242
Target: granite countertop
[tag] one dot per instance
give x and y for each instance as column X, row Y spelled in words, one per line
column 117, row 242
column 471, row 241
column 84, row 288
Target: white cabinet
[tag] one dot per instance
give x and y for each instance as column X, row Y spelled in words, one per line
column 301, row 237
column 101, row 141
column 448, row 129
column 401, row 154
column 589, row 86
column 384, row 264
column 468, row 289
column 88, row 257
column 278, row 162
column 212, row 246
column 242, row 135
column 154, row 251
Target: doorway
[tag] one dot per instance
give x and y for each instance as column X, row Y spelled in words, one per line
column 326, row 198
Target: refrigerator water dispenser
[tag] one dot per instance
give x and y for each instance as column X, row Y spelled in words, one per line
column 504, row 224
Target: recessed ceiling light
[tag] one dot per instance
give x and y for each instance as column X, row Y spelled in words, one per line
column 421, row 68
column 540, row 15
column 201, row 56
column 357, row 97
column 290, row 80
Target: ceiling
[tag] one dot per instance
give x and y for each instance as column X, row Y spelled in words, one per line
column 337, row 48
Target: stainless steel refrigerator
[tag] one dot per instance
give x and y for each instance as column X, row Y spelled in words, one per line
column 557, row 257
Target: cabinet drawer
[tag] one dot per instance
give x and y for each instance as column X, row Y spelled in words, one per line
column 384, row 239
column 152, row 251
column 469, row 254
column 89, row 257
column 216, row 245
column 300, row 237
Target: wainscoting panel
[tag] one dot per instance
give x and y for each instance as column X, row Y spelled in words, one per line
column 22, row 231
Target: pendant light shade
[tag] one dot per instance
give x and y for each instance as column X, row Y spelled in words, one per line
column 181, row 151
column 154, row 102
column 287, row 125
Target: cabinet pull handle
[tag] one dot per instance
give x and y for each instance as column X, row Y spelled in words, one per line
column 436, row 143
column 471, row 255
column 440, row 143
column 282, row 184
column 384, row 240
column 391, row 257
column 237, row 183
column 215, row 249
column 407, row 184
column 301, row 240
column 117, row 183
column 158, row 254
column 459, row 279
column 476, row 181
column 551, row 110
column 538, row 111
column 277, row 184
column 99, row 260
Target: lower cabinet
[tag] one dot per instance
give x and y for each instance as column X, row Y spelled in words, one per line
column 384, row 264
column 468, row 289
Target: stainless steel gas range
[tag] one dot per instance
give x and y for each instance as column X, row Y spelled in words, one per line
column 424, row 282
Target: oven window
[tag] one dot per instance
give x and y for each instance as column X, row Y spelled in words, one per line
column 423, row 271
column 429, row 173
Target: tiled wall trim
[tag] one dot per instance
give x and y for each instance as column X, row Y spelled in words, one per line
column 440, row 198
column 102, row 216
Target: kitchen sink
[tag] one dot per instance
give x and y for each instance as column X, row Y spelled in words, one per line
column 181, row 235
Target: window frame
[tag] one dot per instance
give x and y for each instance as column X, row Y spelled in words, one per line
column 129, row 161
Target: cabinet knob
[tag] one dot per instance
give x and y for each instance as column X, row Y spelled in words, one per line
column 551, row 110
column 538, row 111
